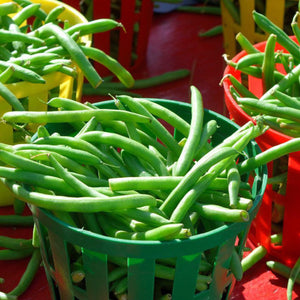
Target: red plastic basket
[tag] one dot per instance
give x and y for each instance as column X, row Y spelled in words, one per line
column 128, row 46
column 261, row 229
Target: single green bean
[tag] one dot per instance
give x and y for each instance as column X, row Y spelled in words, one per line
column 74, row 51
column 8, row 254
column 253, row 257
column 29, row 273
column 268, row 65
column 15, row 243
column 189, row 149
column 234, row 179
column 205, row 9
column 245, row 43
column 292, row 279
column 70, row 116
column 10, row 97
column 54, row 13
column 81, row 204
column 281, row 269
column 8, row 8
column 16, row 220
column 216, row 30
column 25, row 13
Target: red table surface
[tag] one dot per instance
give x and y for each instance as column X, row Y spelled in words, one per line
column 173, row 44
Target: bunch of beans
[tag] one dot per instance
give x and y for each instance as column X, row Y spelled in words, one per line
column 279, row 72
column 35, row 43
column 124, row 175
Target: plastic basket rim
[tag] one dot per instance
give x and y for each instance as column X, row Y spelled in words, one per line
column 233, row 228
column 227, row 84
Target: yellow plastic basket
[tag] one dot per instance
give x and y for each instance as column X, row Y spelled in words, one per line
column 37, row 95
column 274, row 11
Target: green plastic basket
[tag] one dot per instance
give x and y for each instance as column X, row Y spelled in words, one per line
column 57, row 237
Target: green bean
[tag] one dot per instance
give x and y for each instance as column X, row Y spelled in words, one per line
column 242, row 90
column 16, row 220
column 269, row 155
column 161, row 233
column 81, row 204
column 147, row 82
column 8, row 8
column 286, row 99
column 67, row 104
column 148, row 217
column 34, row 59
column 295, row 27
column 253, row 257
column 74, row 51
column 234, row 179
column 222, row 199
column 292, row 279
column 268, row 65
column 6, row 74
column 8, row 96
column 268, row 26
column 54, row 13
column 205, row 9
column 72, row 181
column 29, row 274
column 144, row 183
column 219, row 213
column 281, row 269
column 39, row 13
column 15, row 243
column 8, row 254
column 245, row 43
column 216, row 30
column 128, row 145
column 26, row 13
column 69, row 116
column 189, row 149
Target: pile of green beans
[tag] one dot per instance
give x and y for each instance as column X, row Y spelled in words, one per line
column 279, row 72
column 34, row 44
column 122, row 173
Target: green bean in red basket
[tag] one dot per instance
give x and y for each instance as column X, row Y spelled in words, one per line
column 15, row 243
column 268, row 65
column 74, row 51
column 295, row 27
column 245, row 43
column 80, row 204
